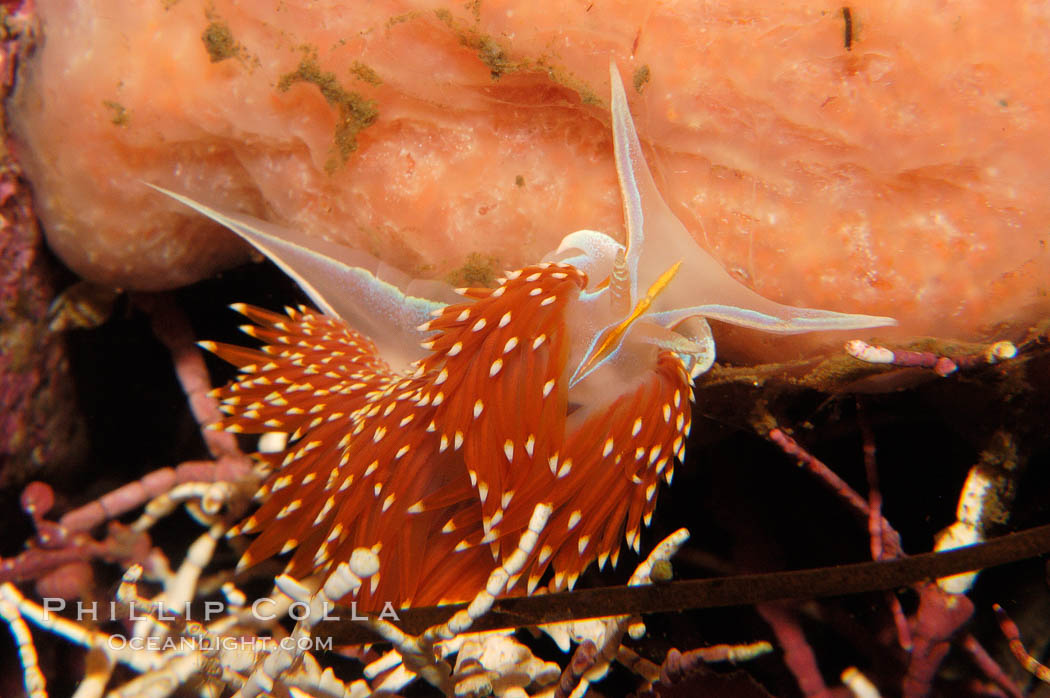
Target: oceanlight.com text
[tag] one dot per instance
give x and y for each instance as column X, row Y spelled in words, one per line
column 210, row 644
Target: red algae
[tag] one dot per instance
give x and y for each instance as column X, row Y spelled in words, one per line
column 902, row 174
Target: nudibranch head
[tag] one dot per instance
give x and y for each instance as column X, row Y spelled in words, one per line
column 658, row 290
column 425, row 424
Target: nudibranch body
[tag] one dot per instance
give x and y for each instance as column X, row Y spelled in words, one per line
column 426, row 426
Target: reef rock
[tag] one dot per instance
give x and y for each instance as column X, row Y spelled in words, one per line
column 889, row 160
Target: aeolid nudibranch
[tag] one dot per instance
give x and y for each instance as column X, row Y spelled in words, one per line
column 425, row 426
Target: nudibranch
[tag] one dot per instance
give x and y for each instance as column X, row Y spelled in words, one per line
column 425, row 425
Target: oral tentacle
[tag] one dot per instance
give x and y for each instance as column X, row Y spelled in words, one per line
column 373, row 297
column 656, row 238
column 800, row 320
